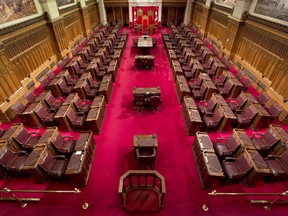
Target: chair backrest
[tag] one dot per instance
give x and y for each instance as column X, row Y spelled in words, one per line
column 50, row 100
column 243, row 164
column 47, row 161
column 6, row 156
column 247, row 82
column 211, row 103
column 50, row 74
column 30, row 97
column 44, row 81
column 284, row 160
column 232, row 142
column 270, row 137
column 23, row 136
column 240, row 74
column 154, row 101
column 57, row 140
column 218, row 115
column 250, row 112
column 274, row 110
column 240, row 100
column 263, row 98
column 18, row 107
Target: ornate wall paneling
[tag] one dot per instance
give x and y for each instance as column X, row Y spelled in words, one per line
column 263, row 49
column 173, row 11
column 198, row 16
column 117, row 10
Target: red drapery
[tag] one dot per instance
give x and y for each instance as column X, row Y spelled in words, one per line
column 150, row 11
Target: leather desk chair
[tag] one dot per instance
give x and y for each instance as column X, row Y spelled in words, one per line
column 139, row 102
column 30, row 97
column 50, row 74
column 154, row 102
column 245, row 117
column 236, row 168
column 263, row 98
column 278, row 165
column 44, row 82
column 212, row 120
column 198, row 93
column 77, row 119
column 63, row 144
column 208, row 106
column 226, row 89
column 265, row 142
column 227, row 147
column 47, row 117
column 246, row 84
column 274, row 110
column 53, row 165
column 65, row 88
column 238, row 103
column 146, row 158
column 12, row 161
column 240, row 75
column 27, row 140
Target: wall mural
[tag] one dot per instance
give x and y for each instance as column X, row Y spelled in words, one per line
column 273, row 8
column 227, row 2
column 15, row 9
column 64, row 2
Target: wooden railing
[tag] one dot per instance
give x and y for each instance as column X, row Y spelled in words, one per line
column 142, row 180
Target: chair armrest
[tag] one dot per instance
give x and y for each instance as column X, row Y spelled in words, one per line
column 230, row 159
column 256, row 135
column 272, row 156
column 60, row 157
column 209, row 114
column 21, row 153
column 68, row 137
column 35, row 133
column 221, row 139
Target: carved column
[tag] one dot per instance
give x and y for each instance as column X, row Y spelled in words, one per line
column 102, row 12
column 232, row 34
column 8, row 84
column 58, row 35
column 188, row 12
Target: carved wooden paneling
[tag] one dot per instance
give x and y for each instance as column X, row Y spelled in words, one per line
column 198, row 16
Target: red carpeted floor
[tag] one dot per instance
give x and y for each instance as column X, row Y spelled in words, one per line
column 114, row 156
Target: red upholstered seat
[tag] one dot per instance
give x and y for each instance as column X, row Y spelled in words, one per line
column 278, row 165
column 63, row 144
column 12, row 161
column 245, row 117
column 227, row 147
column 212, row 120
column 27, row 140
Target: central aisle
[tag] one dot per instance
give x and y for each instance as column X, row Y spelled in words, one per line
column 114, row 154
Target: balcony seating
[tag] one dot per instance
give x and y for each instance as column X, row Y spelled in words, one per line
column 212, row 120
column 63, row 144
column 264, row 143
column 227, row 147
column 27, row 140
column 53, row 165
column 146, row 158
column 236, row 168
column 278, row 165
column 12, row 161
column 245, row 117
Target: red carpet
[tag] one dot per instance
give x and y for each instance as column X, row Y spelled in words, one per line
column 114, row 156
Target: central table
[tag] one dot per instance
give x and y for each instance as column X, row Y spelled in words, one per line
column 145, row 141
column 145, row 43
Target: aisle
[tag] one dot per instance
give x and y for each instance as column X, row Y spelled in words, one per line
column 114, row 154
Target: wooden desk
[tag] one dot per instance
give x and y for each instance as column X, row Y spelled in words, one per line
column 30, row 118
column 148, row 92
column 99, row 101
column 85, row 142
column 144, row 61
column 145, row 43
column 282, row 146
column 260, row 117
column 79, row 88
column 202, row 143
column 55, row 87
column 219, row 100
column 192, row 119
column 228, row 118
column 182, row 88
column 243, row 139
column 113, row 69
column 145, row 141
column 211, row 88
column 31, row 166
column 62, row 119
column 260, row 168
column 95, row 118
column 236, row 89
column 105, row 88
